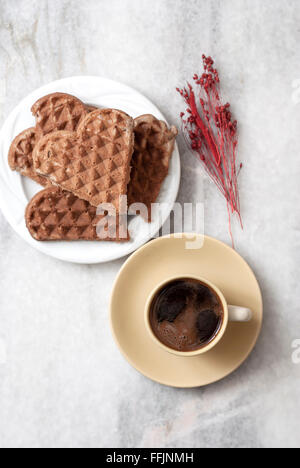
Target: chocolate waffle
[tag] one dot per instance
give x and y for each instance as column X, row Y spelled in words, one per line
column 92, row 163
column 54, row 214
column 58, row 111
column 153, row 148
column 20, row 153
column 20, row 156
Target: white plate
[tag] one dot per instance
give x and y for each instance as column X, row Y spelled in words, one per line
column 16, row 191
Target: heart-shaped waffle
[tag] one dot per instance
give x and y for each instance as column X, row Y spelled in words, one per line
column 20, row 156
column 21, row 149
column 58, row 111
column 153, row 148
column 94, row 162
column 54, row 214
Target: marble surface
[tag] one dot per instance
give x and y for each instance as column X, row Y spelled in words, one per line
column 63, row 382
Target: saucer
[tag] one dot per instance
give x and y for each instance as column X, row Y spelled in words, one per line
column 150, row 265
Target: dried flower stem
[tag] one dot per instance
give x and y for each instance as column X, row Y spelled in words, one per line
column 210, row 133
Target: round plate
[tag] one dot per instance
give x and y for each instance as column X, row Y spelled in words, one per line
column 16, row 191
column 150, row 265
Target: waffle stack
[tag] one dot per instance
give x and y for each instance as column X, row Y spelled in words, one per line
column 85, row 157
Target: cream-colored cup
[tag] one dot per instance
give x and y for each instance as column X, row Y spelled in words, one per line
column 232, row 313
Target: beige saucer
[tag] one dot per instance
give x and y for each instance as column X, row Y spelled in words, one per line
column 216, row 262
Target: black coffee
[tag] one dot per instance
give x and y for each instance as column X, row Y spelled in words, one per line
column 186, row 315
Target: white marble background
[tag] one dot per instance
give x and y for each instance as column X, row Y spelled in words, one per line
column 63, row 382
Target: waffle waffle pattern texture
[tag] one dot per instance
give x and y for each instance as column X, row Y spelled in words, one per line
column 84, row 157
column 54, row 214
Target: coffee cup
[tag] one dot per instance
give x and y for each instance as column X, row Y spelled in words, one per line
column 188, row 315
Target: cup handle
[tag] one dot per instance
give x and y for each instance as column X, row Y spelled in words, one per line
column 239, row 314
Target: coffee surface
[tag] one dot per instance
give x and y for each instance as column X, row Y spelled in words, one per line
column 186, row 315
